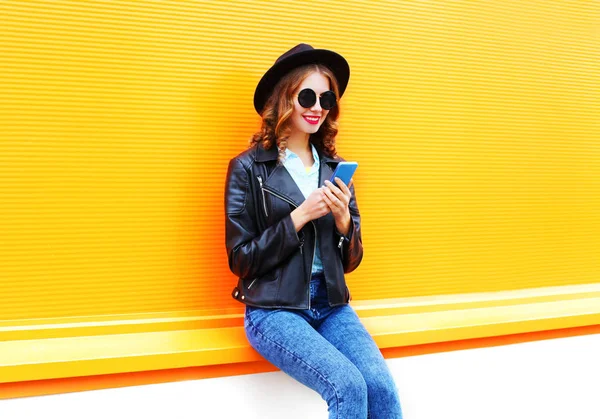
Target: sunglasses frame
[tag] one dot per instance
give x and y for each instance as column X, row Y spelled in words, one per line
column 327, row 92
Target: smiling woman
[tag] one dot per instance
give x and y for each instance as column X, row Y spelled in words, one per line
column 278, row 202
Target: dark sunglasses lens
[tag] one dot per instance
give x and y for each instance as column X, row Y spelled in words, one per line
column 307, row 98
column 328, row 100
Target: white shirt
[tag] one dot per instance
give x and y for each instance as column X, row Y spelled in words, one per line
column 307, row 179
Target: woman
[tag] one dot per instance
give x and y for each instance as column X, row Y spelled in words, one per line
column 291, row 235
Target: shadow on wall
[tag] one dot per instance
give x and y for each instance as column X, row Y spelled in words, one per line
column 224, row 120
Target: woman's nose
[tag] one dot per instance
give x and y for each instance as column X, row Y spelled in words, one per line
column 316, row 107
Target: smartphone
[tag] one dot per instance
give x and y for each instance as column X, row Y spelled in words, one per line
column 344, row 170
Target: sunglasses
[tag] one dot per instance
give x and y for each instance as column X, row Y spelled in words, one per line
column 307, row 98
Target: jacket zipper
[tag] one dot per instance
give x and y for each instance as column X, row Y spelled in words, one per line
column 341, row 242
column 266, row 214
column 302, row 243
column 263, row 195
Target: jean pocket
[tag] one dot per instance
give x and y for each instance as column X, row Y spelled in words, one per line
column 248, row 316
column 250, row 313
column 255, row 315
column 249, row 309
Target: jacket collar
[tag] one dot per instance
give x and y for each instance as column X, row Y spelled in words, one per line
column 282, row 182
column 263, row 155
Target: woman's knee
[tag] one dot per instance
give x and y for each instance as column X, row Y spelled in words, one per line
column 351, row 385
column 382, row 387
column 346, row 393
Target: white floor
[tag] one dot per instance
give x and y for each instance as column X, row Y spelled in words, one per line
column 550, row 379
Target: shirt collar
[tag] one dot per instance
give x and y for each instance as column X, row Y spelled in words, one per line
column 264, row 155
column 291, row 154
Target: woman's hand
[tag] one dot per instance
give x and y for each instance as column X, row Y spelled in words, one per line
column 312, row 208
column 338, row 198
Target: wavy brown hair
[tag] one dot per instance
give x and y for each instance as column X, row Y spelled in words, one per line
column 279, row 107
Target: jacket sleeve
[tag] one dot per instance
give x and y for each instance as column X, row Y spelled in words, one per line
column 252, row 253
column 352, row 248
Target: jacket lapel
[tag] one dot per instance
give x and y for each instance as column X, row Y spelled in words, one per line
column 282, row 182
column 325, row 170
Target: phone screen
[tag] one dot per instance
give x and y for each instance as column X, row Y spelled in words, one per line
column 344, row 170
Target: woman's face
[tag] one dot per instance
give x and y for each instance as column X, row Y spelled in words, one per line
column 319, row 83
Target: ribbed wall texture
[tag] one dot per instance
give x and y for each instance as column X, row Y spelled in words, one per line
column 476, row 126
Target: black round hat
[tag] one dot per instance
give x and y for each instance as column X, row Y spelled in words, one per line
column 299, row 55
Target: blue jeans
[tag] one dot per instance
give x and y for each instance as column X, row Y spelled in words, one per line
column 329, row 350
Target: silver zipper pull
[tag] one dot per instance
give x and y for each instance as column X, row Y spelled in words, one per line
column 340, row 243
column 301, row 245
column 252, row 283
column 262, row 190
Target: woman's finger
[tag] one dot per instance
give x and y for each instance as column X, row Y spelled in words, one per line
column 337, row 191
column 345, row 200
column 329, row 203
column 345, row 189
column 332, row 198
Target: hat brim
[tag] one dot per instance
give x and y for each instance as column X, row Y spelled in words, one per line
column 338, row 65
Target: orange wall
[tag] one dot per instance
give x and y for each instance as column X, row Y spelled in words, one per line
column 474, row 123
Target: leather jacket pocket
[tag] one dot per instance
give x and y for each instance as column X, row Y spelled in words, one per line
column 269, row 276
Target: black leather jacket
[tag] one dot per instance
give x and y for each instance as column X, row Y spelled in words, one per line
column 272, row 260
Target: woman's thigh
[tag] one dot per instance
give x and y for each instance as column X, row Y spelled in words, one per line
column 287, row 340
column 344, row 330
